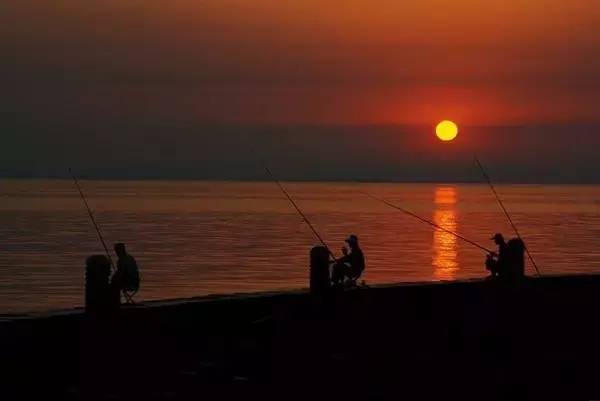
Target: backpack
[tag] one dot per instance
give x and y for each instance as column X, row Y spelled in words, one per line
column 516, row 251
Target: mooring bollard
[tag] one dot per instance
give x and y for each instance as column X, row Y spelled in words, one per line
column 97, row 283
column 319, row 270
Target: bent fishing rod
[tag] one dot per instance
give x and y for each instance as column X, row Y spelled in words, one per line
column 489, row 181
column 91, row 214
column 431, row 223
column 308, row 223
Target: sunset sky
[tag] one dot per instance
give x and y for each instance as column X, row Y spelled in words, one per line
column 180, row 88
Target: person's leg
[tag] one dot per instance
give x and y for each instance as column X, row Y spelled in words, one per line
column 492, row 266
column 337, row 274
column 351, row 274
column 115, row 294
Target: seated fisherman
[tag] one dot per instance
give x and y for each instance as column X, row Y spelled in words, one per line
column 127, row 276
column 498, row 263
column 351, row 265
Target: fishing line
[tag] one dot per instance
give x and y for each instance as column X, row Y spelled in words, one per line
column 89, row 210
column 431, row 223
column 306, row 220
column 489, row 181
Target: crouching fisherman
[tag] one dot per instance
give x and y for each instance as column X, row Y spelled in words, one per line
column 509, row 262
column 497, row 263
column 351, row 265
column 126, row 279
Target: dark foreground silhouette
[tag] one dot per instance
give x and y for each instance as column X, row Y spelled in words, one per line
column 480, row 339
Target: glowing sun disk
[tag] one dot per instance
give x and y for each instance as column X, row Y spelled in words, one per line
column 446, row 130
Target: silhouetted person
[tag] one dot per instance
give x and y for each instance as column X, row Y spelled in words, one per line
column 498, row 263
column 351, row 265
column 127, row 276
column 509, row 262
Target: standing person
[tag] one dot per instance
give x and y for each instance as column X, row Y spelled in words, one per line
column 351, row 265
column 127, row 276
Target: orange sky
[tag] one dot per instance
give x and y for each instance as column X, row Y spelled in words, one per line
column 490, row 62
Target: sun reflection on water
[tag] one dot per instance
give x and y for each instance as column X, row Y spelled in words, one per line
column 445, row 251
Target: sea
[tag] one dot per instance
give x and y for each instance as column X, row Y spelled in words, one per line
column 194, row 238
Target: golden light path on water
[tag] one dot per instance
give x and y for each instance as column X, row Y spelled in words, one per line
column 445, row 249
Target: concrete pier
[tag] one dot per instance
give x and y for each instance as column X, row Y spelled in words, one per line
column 476, row 338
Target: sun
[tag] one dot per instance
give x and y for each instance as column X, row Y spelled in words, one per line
column 446, row 130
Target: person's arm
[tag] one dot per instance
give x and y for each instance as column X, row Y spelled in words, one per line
column 344, row 259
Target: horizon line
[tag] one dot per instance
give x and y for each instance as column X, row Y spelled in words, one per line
column 307, row 181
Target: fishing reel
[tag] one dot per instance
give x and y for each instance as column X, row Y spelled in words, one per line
column 491, row 263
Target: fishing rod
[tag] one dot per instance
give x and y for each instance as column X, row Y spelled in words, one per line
column 89, row 210
column 489, row 181
column 431, row 223
column 299, row 211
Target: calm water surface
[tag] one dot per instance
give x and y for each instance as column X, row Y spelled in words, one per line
column 193, row 238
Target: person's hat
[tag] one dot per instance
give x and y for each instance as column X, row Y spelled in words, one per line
column 497, row 236
column 352, row 239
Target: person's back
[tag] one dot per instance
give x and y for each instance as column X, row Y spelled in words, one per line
column 130, row 273
column 503, row 254
column 356, row 258
column 127, row 276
